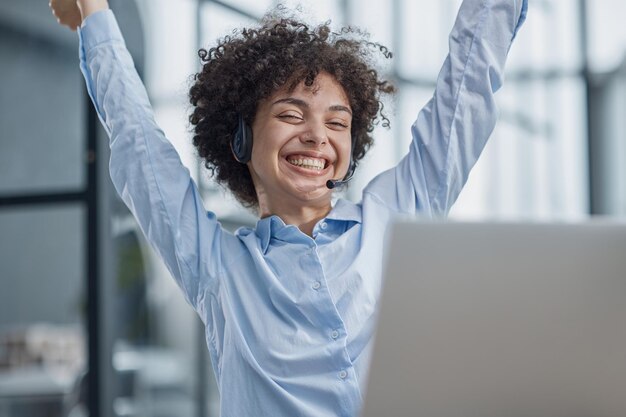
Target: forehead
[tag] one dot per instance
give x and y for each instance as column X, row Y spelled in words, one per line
column 325, row 89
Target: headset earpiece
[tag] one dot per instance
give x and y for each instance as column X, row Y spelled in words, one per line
column 241, row 142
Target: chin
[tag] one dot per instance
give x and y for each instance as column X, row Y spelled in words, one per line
column 313, row 192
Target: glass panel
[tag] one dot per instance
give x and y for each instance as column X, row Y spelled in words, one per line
column 170, row 31
column 607, row 34
column 422, row 41
column 375, row 19
column 255, row 7
column 41, row 114
column 550, row 39
column 314, row 12
column 534, row 165
column 42, row 310
column 217, row 22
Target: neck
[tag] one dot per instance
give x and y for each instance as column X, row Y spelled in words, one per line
column 303, row 216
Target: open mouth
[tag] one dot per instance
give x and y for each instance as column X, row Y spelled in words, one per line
column 315, row 164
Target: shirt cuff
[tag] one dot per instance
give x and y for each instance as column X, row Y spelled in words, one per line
column 98, row 28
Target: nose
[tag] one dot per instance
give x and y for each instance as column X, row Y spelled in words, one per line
column 315, row 135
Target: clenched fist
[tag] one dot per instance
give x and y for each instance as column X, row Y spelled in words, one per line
column 67, row 13
column 72, row 12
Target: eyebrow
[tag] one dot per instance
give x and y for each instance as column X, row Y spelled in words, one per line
column 305, row 105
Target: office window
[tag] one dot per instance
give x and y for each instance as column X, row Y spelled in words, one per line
column 43, row 299
column 41, row 141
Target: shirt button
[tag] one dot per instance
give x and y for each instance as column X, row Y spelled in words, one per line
column 323, row 225
column 334, row 334
column 316, row 285
column 343, row 374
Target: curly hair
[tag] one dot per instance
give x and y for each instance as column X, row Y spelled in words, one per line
column 252, row 64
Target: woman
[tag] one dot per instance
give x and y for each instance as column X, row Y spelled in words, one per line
column 282, row 114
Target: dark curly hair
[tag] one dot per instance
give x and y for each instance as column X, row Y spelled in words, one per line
column 252, row 64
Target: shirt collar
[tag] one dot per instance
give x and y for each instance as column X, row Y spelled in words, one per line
column 345, row 210
column 269, row 227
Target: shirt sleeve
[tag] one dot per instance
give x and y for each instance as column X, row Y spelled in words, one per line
column 145, row 167
column 452, row 129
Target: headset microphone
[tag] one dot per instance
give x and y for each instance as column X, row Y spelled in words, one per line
column 330, row 184
column 337, row 183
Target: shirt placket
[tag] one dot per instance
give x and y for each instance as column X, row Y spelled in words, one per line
column 332, row 325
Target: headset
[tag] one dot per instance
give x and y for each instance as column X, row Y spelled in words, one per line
column 337, row 183
column 241, row 142
column 241, row 146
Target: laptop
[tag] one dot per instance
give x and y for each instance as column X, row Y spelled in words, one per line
column 501, row 320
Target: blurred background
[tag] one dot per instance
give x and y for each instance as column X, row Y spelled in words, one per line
column 90, row 322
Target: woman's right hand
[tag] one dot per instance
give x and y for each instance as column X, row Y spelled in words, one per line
column 67, row 13
column 72, row 12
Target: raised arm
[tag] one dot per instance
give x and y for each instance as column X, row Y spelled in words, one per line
column 451, row 130
column 145, row 168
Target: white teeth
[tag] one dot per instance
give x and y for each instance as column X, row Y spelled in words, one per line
column 317, row 164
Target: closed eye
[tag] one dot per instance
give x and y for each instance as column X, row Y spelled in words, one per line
column 290, row 117
column 338, row 125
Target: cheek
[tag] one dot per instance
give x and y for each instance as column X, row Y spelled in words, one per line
column 264, row 155
column 264, row 142
column 346, row 152
column 259, row 148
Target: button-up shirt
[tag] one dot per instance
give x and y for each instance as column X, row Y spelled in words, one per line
column 290, row 318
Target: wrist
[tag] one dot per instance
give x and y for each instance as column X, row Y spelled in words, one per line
column 89, row 7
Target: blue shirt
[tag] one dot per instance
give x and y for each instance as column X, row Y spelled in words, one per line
column 290, row 318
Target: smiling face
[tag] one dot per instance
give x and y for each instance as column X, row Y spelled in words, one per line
column 301, row 139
